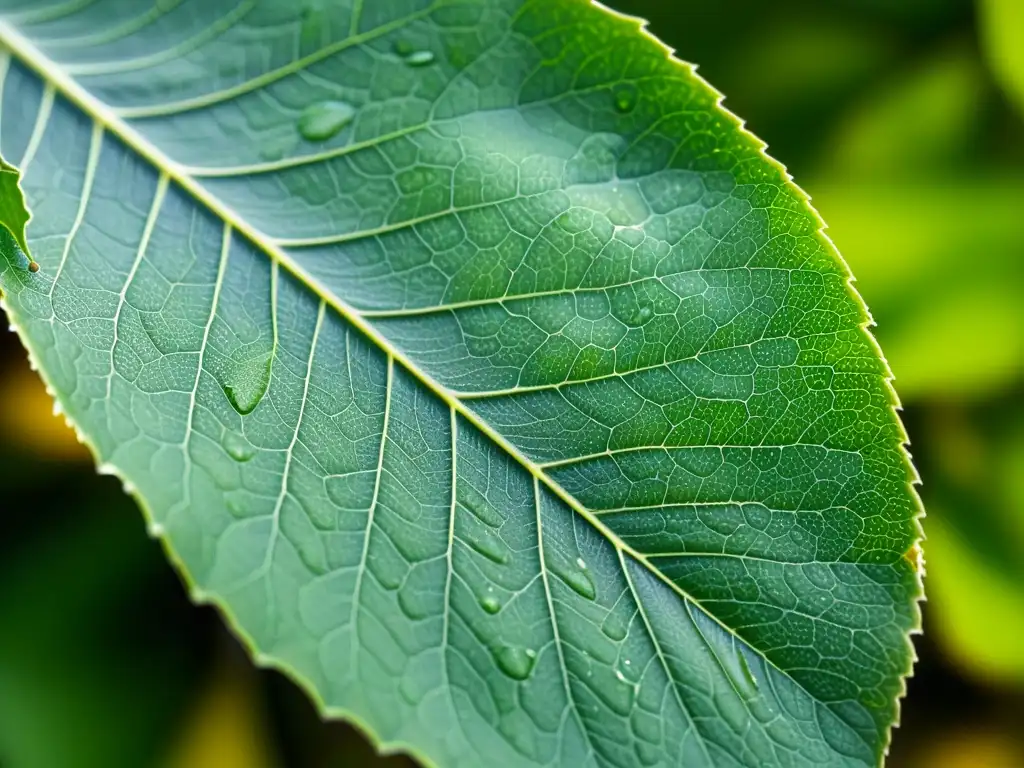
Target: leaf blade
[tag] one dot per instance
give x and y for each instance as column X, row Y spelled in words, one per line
column 713, row 364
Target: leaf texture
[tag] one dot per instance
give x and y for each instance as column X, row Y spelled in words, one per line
column 478, row 364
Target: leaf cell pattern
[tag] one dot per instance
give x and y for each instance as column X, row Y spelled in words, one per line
column 477, row 364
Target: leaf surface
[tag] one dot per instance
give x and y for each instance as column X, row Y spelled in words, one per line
column 479, row 366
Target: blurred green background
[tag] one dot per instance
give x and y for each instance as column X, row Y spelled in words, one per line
column 904, row 119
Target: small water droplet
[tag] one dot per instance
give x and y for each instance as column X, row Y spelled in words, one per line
column 625, row 99
column 321, row 121
column 489, row 545
column 614, row 627
column 490, row 604
column 745, row 680
column 481, row 508
column 516, row 662
column 648, row 754
column 579, row 580
column 419, row 58
column 238, row 447
column 248, row 384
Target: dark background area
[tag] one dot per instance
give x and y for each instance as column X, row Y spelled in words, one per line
column 904, row 119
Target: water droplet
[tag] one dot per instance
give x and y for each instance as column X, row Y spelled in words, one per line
column 490, row 604
column 627, row 673
column 614, row 627
column 419, row 58
column 648, row 754
column 489, row 545
column 579, row 581
column 248, row 384
column 482, row 509
column 625, row 99
column 238, row 447
column 516, row 662
column 743, row 675
column 321, row 121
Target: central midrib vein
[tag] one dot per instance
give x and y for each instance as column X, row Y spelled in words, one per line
column 52, row 73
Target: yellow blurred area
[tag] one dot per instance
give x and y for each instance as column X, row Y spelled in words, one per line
column 225, row 728
column 28, row 422
column 971, row 748
column 981, row 621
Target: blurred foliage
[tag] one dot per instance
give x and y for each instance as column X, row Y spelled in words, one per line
column 904, row 119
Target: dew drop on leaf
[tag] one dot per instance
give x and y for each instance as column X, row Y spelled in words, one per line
column 647, row 754
column 742, row 675
column 579, row 580
column 625, row 99
column 516, row 662
column 490, row 604
column 248, row 383
column 238, row 447
column 614, row 627
column 489, row 545
column 480, row 507
column 419, row 58
column 321, row 121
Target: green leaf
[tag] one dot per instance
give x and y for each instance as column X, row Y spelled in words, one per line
column 13, row 213
column 521, row 412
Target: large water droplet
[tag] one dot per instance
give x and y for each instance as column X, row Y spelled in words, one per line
column 648, row 754
column 247, row 384
column 490, row 604
column 238, row 447
column 625, row 98
column 579, row 580
column 743, row 675
column 419, row 58
column 628, row 672
column 481, row 508
column 321, row 121
column 489, row 545
column 516, row 662
column 614, row 627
